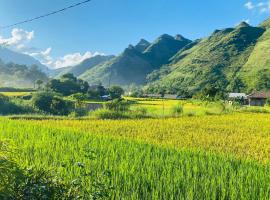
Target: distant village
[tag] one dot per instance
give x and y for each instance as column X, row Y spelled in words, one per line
column 256, row 98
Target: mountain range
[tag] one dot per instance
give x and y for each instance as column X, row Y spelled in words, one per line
column 232, row 59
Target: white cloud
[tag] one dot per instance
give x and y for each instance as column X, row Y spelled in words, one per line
column 19, row 39
column 73, row 59
column 249, row 5
column 262, row 7
column 68, row 60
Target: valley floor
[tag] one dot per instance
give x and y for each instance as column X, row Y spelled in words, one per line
column 197, row 157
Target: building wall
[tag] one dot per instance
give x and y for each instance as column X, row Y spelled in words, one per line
column 257, row 102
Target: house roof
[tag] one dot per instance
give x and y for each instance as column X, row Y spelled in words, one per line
column 170, row 96
column 237, row 95
column 259, row 95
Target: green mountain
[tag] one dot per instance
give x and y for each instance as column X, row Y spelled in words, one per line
column 227, row 60
column 142, row 45
column 87, row 64
column 256, row 72
column 127, row 68
column 136, row 62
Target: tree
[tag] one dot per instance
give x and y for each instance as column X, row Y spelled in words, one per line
column 68, row 84
column 116, row 92
column 39, row 83
column 50, row 103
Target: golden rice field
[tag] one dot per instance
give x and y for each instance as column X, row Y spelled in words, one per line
column 15, row 94
column 203, row 157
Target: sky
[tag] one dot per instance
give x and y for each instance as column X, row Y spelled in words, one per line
column 109, row 26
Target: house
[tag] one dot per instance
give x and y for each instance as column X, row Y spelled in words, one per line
column 258, row 98
column 239, row 97
column 170, row 96
column 233, row 96
column 106, row 97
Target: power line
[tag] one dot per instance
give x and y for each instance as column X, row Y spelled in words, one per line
column 45, row 15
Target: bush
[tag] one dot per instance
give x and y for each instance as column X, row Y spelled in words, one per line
column 177, row 110
column 49, row 103
column 9, row 107
column 79, row 112
column 138, row 113
column 268, row 102
column 118, row 105
column 109, row 114
column 116, row 92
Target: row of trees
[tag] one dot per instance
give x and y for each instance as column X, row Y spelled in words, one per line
column 68, row 85
column 67, row 94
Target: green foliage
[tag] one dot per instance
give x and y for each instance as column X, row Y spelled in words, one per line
column 210, row 93
column 68, row 84
column 50, row 103
column 118, row 105
column 177, row 110
column 116, row 92
column 216, row 61
column 109, row 114
column 268, row 102
column 9, row 107
column 96, row 92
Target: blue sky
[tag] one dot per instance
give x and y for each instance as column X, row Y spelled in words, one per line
column 108, row 26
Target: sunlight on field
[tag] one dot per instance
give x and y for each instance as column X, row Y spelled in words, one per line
column 15, row 94
column 160, row 107
column 150, row 158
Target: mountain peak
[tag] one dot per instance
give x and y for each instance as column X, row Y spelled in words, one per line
column 143, row 41
column 166, row 36
column 242, row 25
column 142, row 45
column 179, row 37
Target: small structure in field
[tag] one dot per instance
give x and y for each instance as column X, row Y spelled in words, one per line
column 171, row 96
column 258, row 98
column 238, row 97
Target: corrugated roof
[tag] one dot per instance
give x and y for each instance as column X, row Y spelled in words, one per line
column 260, row 94
column 237, row 95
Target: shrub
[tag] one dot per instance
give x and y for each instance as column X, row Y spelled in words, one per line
column 9, row 107
column 49, row 103
column 109, row 114
column 268, row 102
column 118, row 105
column 177, row 110
column 116, row 92
column 138, row 113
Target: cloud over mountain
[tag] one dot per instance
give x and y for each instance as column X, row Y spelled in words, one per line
column 20, row 40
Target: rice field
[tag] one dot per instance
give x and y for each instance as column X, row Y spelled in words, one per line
column 199, row 157
column 160, row 107
column 15, row 94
